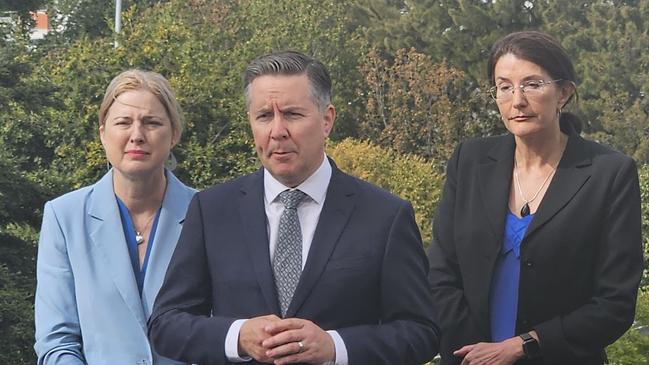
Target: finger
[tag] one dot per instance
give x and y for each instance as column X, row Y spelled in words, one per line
column 283, row 338
column 464, row 350
column 287, row 349
column 259, row 353
column 284, row 325
column 271, row 318
column 262, row 358
column 291, row 359
column 469, row 360
column 296, row 358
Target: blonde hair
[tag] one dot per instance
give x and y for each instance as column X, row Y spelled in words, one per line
column 157, row 84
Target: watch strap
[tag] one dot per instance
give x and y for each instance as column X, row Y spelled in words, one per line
column 526, row 337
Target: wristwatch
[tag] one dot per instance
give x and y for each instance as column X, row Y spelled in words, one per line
column 531, row 346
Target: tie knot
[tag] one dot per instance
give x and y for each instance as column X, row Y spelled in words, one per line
column 291, row 198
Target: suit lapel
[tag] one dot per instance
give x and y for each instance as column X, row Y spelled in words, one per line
column 172, row 215
column 107, row 236
column 337, row 209
column 494, row 181
column 253, row 223
column 569, row 178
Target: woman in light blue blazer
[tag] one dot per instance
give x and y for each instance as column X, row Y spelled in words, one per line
column 104, row 249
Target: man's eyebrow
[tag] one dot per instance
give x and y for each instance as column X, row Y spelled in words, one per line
column 292, row 108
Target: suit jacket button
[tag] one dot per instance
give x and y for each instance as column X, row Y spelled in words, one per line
column 529, row 263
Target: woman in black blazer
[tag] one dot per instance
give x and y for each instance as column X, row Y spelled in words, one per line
column 536, row 255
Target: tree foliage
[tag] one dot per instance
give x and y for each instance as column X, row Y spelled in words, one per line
column 73, row 19
column 606, row 39
column 644, row 196
column 20, row 201
column 417, row 106
column 202, row 47
column 19, row 215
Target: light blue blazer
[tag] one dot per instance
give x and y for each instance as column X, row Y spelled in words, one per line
column 88, row 308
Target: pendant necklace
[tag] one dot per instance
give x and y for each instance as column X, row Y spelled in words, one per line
column 139, row 235
column 525, row 209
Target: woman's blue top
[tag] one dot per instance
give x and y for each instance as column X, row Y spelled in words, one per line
column 503, row 299
column 129, row 233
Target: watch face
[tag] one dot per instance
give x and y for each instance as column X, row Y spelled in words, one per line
column 531, row 347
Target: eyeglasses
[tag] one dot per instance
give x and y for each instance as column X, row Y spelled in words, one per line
column 530, row 88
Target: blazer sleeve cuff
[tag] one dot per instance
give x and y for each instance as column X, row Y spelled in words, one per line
column 552, row 340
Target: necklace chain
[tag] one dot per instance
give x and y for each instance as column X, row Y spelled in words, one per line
column 139, row 235
column 525, row 207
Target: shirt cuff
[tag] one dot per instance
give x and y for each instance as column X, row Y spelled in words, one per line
column 232, row 342
column 340, row 348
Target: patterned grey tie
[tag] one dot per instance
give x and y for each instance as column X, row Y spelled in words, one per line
column 287, row 262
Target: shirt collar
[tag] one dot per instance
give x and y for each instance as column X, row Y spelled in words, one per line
column 315, row 186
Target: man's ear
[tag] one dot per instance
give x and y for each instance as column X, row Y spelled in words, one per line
column 329, row 117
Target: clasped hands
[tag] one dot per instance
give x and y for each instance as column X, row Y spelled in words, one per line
column 270, row 339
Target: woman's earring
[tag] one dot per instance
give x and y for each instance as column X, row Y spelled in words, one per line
column 171, row 162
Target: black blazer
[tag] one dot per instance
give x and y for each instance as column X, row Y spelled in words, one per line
column 365, row 275
column 581, row 257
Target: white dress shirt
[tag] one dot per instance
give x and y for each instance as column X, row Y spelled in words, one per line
column 315, row 186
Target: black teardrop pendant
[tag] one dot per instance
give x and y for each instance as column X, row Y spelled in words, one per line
column 525, row 210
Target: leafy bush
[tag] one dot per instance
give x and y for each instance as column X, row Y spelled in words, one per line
column 409, row 176
column 633, row 347
column 643, row 172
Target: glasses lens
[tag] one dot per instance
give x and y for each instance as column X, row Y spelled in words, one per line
column 533, row 87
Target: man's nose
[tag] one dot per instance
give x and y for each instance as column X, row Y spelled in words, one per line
column 279, row 128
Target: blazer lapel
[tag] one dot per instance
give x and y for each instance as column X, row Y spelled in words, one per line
column 568, row 179
column 107, row 235
column 253, row 223
column 172, row 216
column 494, row 181
column 337, row 209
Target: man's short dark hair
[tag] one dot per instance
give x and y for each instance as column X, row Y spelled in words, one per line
column 291, row 63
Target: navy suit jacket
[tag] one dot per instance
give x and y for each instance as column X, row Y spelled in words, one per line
column 581, row 256
column 365, row 275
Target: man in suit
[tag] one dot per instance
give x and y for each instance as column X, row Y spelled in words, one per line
column 297, row 262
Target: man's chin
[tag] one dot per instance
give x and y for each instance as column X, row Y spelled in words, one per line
column 286, row 175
